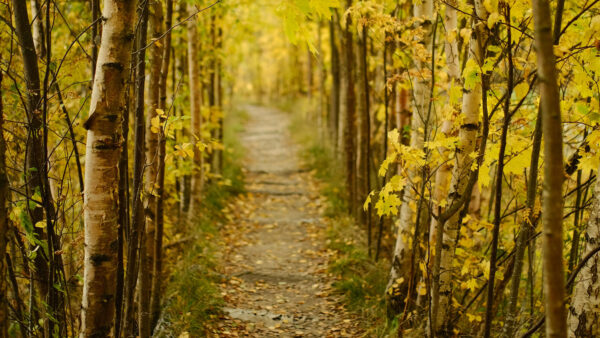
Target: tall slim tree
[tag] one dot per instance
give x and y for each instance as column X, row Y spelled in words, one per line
column 400, row 269
column 4, row 185
column 157, row 268
column 103, row 148
column 445, row 245
column 584, row 317
column 195, row 104
column 349, row 130
column 554, row 173
column 137, row 229
column 334, row 113
column 153, row 131
column 35, row 163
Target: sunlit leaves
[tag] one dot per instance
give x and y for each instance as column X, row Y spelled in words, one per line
column 184, row 150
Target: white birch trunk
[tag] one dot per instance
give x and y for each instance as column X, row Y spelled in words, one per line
column 584, row 314
column 462, row 168
column 104, row 142
column 421, row 95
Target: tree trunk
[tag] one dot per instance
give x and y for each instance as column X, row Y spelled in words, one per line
column 136, row 231
column 362, row 127
column 401, row 269
column 349, row 130
column 197, row 179
column 95, row 4
column 334, row 114
column 101, row 173
column 444, row 172
column 552, row 203
column 4, row 185
column 526, row 229
column 37, row 28
column 584, row 318
column 157, row 268
column 35, row 163
column 446, row 244
column 152, row 135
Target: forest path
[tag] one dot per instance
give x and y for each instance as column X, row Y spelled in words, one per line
column 277, row 284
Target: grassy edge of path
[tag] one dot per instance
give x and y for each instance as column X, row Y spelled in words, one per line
column 192, row 300
column 360, row 279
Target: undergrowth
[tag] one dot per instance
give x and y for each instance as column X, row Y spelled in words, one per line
column 361, row 280
column 192, row 297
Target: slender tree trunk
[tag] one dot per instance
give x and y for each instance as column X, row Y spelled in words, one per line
column 349, row 130
column 152, row 134
column 446, row 234
column 4, row 185
column 334, row 114
column 489, row 313
column 367, row 135
column 401, row 270
column 322, row 110
column 362, row 127
column 136, row 231
column 526, row 228
column 343, row 102
column 35, row 166
column 101, row 173
column 584, row 318
column 197, row 179
column 38, row 28
column 552, row 204
column 219, row 93
column 95, row 4
column 157, row 268
column 444, row 172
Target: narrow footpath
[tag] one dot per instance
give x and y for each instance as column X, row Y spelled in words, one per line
column 276, row 280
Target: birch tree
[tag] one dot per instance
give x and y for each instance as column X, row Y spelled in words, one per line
column 446, row 244
column 400, row 269
column 103, row 147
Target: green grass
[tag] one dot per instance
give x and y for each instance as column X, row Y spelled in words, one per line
column 192, row 297
column 362, row 281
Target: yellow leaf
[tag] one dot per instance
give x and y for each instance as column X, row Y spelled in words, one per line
column 493, row 19
column 367, row 201
column 41, row 224
column 155, row 124
column 521, row 90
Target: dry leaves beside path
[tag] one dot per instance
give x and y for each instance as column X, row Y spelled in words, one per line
column 277, row 284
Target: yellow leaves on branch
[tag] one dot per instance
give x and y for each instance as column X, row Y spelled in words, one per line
column 155, row 122
column 184, row 150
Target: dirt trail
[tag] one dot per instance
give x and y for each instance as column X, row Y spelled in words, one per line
column 277, row 283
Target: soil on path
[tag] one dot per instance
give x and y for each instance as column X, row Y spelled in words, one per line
column 276, row 281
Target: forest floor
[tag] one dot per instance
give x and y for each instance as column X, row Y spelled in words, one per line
column 276, row 280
